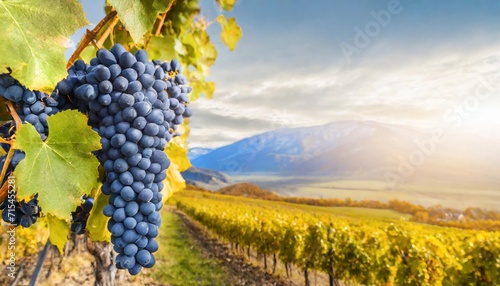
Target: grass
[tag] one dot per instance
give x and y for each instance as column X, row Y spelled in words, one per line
column 179, row 261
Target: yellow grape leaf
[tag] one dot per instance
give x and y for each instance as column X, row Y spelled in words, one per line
column 173, row 183
column 200, row 86
column 177, row 153
column 60, row 169
column 59, row 230
column 227, row 4
column 231, row 32
column 35, row 34
column 97, row 222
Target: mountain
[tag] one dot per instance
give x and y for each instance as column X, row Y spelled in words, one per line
column 360, row 150
column 196, row 152
column 205, row 178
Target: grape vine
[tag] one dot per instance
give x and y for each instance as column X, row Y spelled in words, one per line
column 108, row 106
column 348, row 249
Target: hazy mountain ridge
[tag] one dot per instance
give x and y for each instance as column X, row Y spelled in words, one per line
column 196, row 152
column 361, row 150
column 205, row 178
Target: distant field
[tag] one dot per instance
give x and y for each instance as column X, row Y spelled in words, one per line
column 426, row 194
column 359, row 212
column 377, row 214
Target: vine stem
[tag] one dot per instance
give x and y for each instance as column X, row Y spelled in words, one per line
column 88, row 37
column 5, row 187
column 15, row 116
column 162, row 20
column 3, row 191
column 39, row 264
column 106, row 33
column 7, row 162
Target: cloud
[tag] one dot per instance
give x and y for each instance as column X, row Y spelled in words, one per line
column 417, row 92
column 288, row 70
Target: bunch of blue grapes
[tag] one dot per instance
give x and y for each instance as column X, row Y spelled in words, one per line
column 33, row 106
column 136, row 106
column 81, row 214
column 22, row 213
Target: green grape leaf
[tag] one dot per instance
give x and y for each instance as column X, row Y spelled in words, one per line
column 97, row 222
column 59, row 230
column 231, row 32
column 34, row 37
column 227, row 4
column 60, row 169
column 138, row 16
column 88, row 53
column 161, row 48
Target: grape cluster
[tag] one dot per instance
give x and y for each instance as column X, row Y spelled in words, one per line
column 23, row 213
column 136, row 106
column 34, row 106
column 81, row 214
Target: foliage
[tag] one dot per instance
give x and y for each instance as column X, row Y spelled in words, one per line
column 470, row 218
column 351, row 249
column 231, row 33
column 62, row 168
column 35, row 35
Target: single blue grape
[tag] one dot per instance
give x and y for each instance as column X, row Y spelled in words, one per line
column 119, row 215
column 145, row 195
column 147, row 208
column 126, row 178
column 127, row 193
column 130, row 223
column 130, row 250
column 129, row 148
column 131, row 208
column 143, row 257
column 126, row 60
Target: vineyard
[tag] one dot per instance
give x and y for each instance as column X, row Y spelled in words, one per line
column 359, row 250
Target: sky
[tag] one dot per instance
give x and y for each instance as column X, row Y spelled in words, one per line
column 302, row 63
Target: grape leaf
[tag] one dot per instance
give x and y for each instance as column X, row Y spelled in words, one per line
column 231, row 32
column 177, row 153
column 59, row 230
column 138, row 16
column 227, row 4
column 202, row 87
column 97, row 222
column 60, row 169
column 34, row 37
column 161, row 48
column 173, row 183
